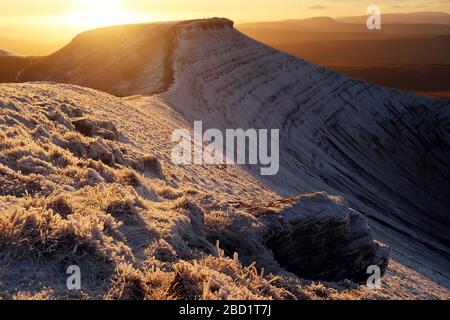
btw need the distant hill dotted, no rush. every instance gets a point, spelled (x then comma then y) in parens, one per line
(4, 53)
(29, 47)
(329, 25)
(345, 44)
(11, 65)
(429, 79)
(432, 49)
(409, 18)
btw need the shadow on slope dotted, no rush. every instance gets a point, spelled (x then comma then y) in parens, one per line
(384, 150)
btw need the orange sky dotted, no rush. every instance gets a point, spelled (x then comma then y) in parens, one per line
(61, 19)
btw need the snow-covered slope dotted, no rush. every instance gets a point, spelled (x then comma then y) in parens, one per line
(86, 178)
(386, 150)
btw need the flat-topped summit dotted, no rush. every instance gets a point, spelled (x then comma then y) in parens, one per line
(122, 60)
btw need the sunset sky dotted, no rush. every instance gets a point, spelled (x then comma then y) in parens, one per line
(64, 18)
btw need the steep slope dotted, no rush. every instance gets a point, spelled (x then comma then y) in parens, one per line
(87, 179)
(110, 59)
(122, 60)
(385, 151)
(79, 189)
(410, 61)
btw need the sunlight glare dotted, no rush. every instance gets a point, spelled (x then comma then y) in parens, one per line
(88, 14)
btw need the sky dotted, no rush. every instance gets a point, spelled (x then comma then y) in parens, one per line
(62, 19)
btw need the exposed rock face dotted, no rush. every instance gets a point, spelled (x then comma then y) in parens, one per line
(317, 236)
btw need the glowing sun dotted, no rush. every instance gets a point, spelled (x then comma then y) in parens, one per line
(87, 14)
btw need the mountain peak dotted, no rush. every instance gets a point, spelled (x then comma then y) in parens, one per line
(122, 60)
(207, 23)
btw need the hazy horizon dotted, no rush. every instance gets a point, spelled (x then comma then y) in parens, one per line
(55, 21)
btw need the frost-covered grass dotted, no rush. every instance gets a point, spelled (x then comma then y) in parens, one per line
(138, 226)
(72, 198)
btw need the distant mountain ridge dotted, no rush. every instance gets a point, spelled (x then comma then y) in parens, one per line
(412, 41)
(410, 18)
(357, 25)
(28, 47)
(4, 53)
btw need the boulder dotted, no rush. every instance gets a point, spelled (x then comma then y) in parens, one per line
(97, 150)
(90, 127)
(319, 237)
(85, 126)
(106, 134)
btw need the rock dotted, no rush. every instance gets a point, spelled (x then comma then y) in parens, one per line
(134, 161)
(318, 236)
(59, 117)
(108, 125)
(153, 165)
(85, 126)
(118, 155)
(106, 134)
(97, 150)
(90, 128)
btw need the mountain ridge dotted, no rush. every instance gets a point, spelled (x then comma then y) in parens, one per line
(87, 179)
(383, 150)
(4, 53)
(213, 30)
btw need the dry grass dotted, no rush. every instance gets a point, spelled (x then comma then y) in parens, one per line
(67, 198)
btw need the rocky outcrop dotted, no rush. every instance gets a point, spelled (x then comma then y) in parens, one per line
(90, 127)
(318, 236)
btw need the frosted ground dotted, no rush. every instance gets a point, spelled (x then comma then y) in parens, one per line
(87, 178)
